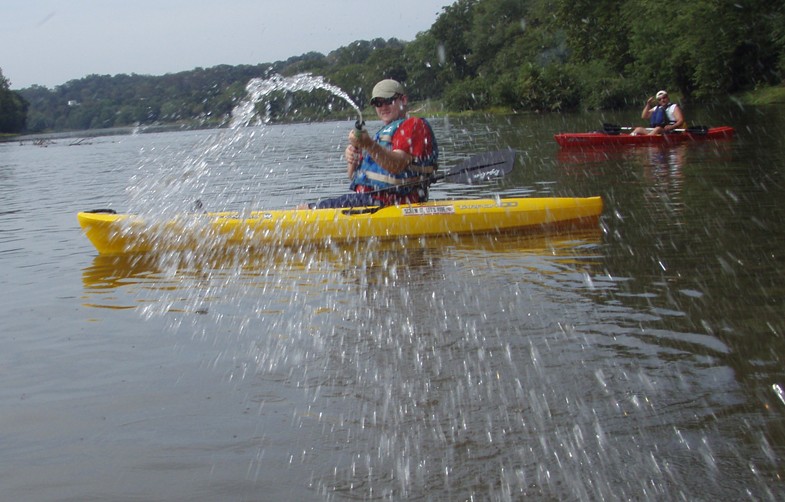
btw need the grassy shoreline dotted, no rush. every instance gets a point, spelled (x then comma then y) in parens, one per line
(774, 95)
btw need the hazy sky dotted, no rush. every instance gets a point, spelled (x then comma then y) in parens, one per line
(49, 42)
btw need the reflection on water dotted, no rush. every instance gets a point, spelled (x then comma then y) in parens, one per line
(366, 262)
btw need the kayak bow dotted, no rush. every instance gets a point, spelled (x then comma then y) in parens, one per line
(123, 233)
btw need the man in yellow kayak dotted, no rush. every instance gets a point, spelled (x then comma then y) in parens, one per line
(664, 116)
(395, 166)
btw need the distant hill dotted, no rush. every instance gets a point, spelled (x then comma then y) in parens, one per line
(519, 55)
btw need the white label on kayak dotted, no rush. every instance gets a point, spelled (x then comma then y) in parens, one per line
(421, 210)
(489, 206)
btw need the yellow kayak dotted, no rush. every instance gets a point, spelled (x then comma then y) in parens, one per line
(123, 233)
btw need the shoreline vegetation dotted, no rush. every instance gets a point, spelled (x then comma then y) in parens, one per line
(478, 57)
(773, 95)
(767, 96)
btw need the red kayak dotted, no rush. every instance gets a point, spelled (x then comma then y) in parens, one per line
(615, 137)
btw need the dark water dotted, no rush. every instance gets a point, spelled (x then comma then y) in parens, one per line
(641, 360)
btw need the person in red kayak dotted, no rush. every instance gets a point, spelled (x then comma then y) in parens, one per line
(394, 167)
(663, 115)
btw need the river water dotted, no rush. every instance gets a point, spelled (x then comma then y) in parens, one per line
(639, 360)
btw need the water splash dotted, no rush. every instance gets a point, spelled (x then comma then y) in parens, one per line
(258, 88)
(215, 169)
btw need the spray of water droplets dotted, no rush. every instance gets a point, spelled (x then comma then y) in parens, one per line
(170, 181)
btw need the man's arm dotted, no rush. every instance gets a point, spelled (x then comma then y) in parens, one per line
(647, 108)
(394, 161)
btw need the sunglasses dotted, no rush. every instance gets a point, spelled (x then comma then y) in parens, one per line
(377, 102)
(662, 97)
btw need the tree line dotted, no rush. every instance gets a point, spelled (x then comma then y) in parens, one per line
(13, 108)
(519, 55)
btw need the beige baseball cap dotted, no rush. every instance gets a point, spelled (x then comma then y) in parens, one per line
(387, 89)
(661, 94)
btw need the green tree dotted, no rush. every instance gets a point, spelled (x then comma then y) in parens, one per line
(356, 80)
(700, 48)
(550, 88)
(13, 108)
(311, 62)
(388, 60)
(424, 59)
(452, 32)
(468, 94)
(518, 54)
(598, 30)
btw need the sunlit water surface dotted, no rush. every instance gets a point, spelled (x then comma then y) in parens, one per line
(639, 360)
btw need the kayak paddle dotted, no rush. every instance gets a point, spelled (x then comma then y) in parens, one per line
(475, 169)
(480, 167)
(616, 129)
